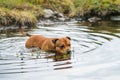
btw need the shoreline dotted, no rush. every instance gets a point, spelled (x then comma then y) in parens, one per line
(12, 30)
(29, 13)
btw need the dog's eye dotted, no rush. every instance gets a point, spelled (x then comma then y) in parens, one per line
(62, 46)
(69, 45)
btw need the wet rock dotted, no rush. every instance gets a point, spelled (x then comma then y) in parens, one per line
(61, 19)
(48, 13)
(57, 14)
(60, 16)
(46, 23)
(115, 18)
(79, 20)
(94, 19)
(54, 15)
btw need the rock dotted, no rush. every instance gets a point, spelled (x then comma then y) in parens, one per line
(61, 19)
(115, 18)
(54, 15)
(57, 14)
(60, 15)
(46, 23)
(94, 19)
(48, 13)
(79, 20)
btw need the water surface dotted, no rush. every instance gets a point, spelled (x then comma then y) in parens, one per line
(95, 54)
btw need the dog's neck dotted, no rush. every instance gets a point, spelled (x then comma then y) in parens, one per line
(53, 49)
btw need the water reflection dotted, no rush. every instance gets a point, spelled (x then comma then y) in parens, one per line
(103, 26)
(92, 45)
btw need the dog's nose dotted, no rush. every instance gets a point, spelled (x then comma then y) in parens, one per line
(68, 51)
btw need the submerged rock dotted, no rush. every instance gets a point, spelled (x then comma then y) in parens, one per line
(94, 19)
(61, 19)
(46, 23)
(115, 18)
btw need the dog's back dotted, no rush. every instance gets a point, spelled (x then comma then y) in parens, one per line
(35, 41)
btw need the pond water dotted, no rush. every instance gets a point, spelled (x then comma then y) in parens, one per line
(95, 54)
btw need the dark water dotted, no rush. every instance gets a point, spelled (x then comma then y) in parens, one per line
(96, 54)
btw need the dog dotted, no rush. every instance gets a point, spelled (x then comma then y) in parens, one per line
(59, 46)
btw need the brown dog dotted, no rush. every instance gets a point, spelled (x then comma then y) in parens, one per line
(57, 45)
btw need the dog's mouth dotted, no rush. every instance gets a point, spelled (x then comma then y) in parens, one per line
(64, 53)
(58, 56)
(68, 52)
(62, 57)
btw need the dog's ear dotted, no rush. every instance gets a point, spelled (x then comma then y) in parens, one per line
(68, 37)
(54, 40)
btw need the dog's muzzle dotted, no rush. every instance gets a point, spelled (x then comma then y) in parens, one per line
(68, 52)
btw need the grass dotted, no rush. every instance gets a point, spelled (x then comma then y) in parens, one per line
(15, 17)
(15, 12)
(99, 6)
(27, 12)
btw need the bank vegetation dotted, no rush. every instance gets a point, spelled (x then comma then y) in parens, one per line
(28, 12)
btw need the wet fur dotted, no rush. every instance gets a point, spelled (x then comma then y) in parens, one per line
(47, 44)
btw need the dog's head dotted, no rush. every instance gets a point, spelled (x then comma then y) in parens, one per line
(62, 45)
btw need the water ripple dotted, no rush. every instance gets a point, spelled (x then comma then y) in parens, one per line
(89, 45)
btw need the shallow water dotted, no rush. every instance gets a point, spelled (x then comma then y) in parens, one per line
(95, 56)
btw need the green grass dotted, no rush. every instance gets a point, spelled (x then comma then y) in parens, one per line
(85, 6)
(30, 10)
(14, 12)
(15, 17)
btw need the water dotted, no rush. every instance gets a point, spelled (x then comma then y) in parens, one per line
(96, 54)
